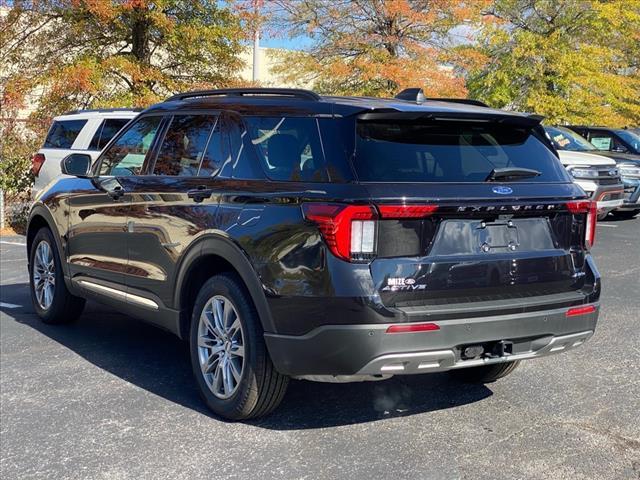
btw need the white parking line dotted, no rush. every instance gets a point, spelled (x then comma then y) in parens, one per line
(607, 225)
(13, 243)
(9, 305)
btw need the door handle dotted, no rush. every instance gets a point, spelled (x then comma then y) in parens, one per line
(116, 192)
(199, 193)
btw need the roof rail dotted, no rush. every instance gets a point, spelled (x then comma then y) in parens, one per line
(103, 110)
(241, 92)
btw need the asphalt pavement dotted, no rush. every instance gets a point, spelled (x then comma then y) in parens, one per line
(110, 397)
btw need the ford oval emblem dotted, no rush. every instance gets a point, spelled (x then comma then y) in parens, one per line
(502, 190)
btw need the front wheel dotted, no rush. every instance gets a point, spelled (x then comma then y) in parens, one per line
(485, 373)
(51, 299)
(229, 358)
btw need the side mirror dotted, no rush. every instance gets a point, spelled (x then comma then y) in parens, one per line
(76, 164)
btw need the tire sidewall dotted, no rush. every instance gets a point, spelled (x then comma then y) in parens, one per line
(243, 400)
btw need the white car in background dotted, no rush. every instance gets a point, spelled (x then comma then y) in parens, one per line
(80, 131)
(598, 175)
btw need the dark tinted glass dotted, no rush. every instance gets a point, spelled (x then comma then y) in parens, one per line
(126, 156)
(63, 133)
(212, 160)
(288, 147)
(449, 152)
(243, 162)
(107, 130)
(184, 145)
(565, 139)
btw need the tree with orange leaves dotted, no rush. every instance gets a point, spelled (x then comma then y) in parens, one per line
(378, 47)
(97, 53)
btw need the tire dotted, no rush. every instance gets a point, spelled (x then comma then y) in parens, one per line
(485, 373)
(59, 305)
(602, 216)
(255, 388)
(625, 214)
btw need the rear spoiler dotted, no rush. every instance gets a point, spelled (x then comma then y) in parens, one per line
(523, 120)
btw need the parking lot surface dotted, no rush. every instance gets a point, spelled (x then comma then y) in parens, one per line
(110, 397)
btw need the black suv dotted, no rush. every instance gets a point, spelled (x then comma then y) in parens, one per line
(285, 234)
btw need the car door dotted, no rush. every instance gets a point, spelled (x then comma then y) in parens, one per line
(172, 203)
(98, 211)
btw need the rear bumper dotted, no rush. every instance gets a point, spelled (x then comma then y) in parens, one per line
(369, 350)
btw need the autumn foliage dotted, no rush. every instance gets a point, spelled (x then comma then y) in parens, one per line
(382, 46)
(102, 53)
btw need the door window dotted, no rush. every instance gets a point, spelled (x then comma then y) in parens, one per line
(126, 156)
(107, 130)
(601, 141)
(213, 157)
(190, 141)
(63, 133)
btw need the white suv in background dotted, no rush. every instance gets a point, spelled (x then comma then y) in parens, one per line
(80, 131)
(598, 175)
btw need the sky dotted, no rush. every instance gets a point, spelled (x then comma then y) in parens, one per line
(298, 43)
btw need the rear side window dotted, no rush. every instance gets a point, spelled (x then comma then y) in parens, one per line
(63, 133)
(394, 151)
(106, 131)
(288, 147)
(185, 147)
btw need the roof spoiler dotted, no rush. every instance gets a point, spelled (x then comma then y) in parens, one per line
(417, 95)
(516, 119)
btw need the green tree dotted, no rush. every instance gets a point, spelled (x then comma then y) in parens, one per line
(93, 53)
(574, 61)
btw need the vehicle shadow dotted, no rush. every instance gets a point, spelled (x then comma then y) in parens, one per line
(158, 362)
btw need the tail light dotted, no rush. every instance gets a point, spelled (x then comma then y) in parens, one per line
(36, 163)
(591, 209)
(350, 231)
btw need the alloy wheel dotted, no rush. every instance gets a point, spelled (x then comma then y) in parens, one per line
(44, 275)
(221, 346)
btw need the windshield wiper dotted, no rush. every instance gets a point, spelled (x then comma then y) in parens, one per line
(511, 174)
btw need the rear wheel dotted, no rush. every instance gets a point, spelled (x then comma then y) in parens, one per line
(51, 299)
(485, 373)
(229, 358)
(625, 214)
(602, 216)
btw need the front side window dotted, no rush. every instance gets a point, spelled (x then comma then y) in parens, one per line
(448, 151)
(126, 156)
(106, 131)
(184, 146)
(63, 133)
(288, 147)
(602, 141)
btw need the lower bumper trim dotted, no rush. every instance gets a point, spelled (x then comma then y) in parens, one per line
(420, 362)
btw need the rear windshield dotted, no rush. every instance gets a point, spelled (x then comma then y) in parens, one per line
(63, 133)
(455, 151)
